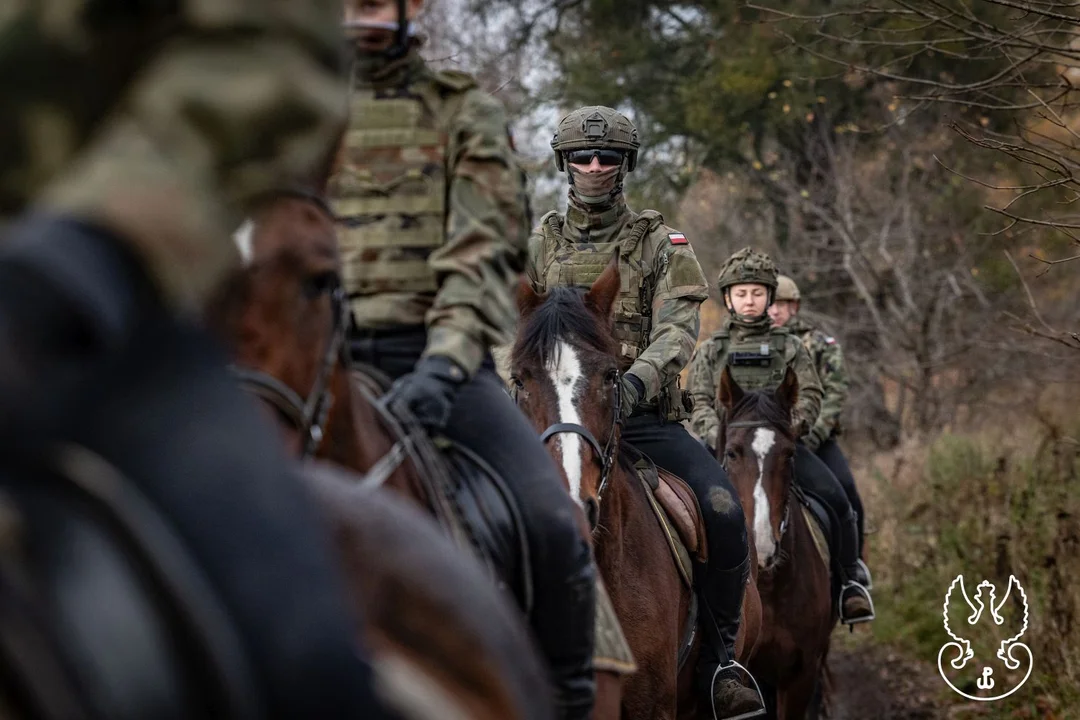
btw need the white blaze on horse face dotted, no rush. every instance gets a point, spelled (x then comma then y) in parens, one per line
(764, 439)
(243, 239)
(565, 373)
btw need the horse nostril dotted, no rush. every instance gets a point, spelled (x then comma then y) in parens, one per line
(592, 512)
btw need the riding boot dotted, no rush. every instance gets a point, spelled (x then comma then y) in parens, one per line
(856, 605)
(720, 595)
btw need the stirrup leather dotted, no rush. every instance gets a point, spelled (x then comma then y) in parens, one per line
(869, 578)
(852, 622)
(735, 664)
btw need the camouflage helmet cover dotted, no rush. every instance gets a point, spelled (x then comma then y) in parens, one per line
(596, 128)
(748, 266)
(786, 289)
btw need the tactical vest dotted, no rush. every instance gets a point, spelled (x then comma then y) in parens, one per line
(757, 362)
(580, 264)
(390, 191)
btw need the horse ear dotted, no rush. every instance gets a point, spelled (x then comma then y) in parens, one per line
(788, 392)
(601, 296)
(527, 298)
(730, 392)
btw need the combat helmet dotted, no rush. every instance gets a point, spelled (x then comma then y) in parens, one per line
(786, 289)
(596, 128)
(748, 266)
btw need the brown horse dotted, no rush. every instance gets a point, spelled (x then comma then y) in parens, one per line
(757, 446)
(566, 380)
(447, 643)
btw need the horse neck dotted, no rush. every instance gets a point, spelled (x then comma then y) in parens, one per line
(625, 518)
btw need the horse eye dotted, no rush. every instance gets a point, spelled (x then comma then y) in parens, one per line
(611, 376)
(517, 382)
(321, 283)
(730, 454)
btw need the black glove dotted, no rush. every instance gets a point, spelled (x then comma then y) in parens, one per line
(428, 392)
(633, 391)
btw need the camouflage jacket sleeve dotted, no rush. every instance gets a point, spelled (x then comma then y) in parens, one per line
(169, 150)
(479, 266)
(536, 259)
(702, 382)
(679, 291)
(808, 406)
(834, 382)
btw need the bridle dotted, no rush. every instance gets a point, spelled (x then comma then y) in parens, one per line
(306, 414)
(605, 455)
(784, 523)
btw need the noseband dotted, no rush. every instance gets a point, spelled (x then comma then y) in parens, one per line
(606, 454)
(787, 498)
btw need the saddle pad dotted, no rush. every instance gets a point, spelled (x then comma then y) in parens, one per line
(816, 531)
(612, 652)
(675, 543)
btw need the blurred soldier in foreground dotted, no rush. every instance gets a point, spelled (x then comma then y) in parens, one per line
(828, 359)
(152, 529)
(434, 224)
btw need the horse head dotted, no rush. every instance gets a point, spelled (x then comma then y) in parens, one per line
(565, 376)
(281, 314)
(757, 447)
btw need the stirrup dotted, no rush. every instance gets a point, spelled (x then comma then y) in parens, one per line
(852, 622)
(712, 693)
(869, 578)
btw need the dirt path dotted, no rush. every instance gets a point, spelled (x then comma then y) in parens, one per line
(871, 681)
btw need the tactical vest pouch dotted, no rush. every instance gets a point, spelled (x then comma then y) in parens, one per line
(750, 359)
(390, 194)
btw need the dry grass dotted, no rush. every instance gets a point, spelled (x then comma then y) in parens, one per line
(998, 501)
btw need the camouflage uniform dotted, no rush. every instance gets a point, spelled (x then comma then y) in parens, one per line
(784, 350)
(828, 360)
(758, 356)
(434, 219)
(656, 325)
(134, 133)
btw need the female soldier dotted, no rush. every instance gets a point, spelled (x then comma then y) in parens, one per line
(748, 282)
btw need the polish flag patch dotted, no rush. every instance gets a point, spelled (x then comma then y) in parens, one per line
(678, 239)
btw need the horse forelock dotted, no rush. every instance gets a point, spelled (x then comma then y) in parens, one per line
(563, 317)
(761, 406)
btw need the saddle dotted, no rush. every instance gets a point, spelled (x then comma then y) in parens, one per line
(676, 509)
(466, 495)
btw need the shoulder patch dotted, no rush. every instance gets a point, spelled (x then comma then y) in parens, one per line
(830, 340)
(678, 239)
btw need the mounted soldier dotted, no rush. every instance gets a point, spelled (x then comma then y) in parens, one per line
(159, 556)
(757, 355)
(434, 219)
(828, 359)
(656, 323)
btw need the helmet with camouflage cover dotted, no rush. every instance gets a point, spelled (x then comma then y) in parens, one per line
(786, 289)
(596, 128)
(748, 266)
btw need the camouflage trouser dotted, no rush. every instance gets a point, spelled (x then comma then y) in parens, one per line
(159, 120)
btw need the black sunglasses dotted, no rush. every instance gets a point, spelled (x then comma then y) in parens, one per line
(584, 157)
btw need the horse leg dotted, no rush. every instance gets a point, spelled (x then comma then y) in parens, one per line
(794, 700)
(609, 689)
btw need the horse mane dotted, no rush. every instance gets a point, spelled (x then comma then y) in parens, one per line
(563, 314)
(762, 405)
